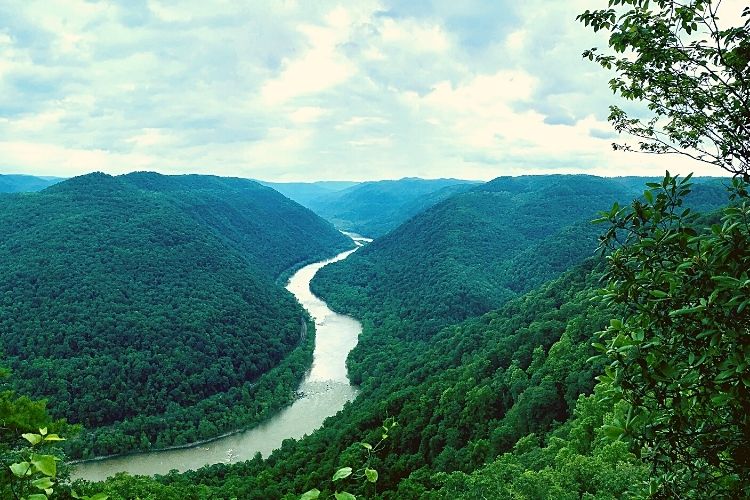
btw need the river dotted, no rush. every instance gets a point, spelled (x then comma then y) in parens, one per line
(324, 391)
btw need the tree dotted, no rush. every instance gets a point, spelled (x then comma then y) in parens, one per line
(680, 358)
(690, 68)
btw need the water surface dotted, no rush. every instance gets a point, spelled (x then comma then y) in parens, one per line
(324, 391)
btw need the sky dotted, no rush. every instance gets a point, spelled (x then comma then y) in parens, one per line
(308, 90)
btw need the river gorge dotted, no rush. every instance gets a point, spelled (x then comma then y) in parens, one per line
(323, 392)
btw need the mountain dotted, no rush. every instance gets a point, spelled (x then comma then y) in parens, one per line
(505, 387)
(271, 231)
(135, 302)
(12, 183)
(457, 259)
(304, 192)
(375, 208)
(475, 250)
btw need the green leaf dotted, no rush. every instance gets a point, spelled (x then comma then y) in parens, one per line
(21, 469)
(344, 496)
(45, 463)
(613, 431)
(310, 495)
(686, 310)
(371, 474)
(342, 473)
(32, 438)
(43, 483)
(99, 496)
(367, 446)
(36, 496)
(53, 437)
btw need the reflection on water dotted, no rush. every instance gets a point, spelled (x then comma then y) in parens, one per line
(323, 393)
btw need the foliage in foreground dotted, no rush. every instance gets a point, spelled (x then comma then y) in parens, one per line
(31, 463)
(681, 356)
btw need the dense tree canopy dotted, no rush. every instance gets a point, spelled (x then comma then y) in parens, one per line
(143, 279)
(474, 251)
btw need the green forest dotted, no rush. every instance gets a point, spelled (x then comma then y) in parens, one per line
(531, 337)
(167, 286)
(500, 405)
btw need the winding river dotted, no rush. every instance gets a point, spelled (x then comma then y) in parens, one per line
(324, 391)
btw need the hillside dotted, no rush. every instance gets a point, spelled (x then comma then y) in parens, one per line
(130, 301)
(375, 208)
(475, 250)
(468, 396)
(271, 231)
(450, 262)
(12, 183)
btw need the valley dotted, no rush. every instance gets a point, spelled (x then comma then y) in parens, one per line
(471, 323)
(385, 250)
(323, 392)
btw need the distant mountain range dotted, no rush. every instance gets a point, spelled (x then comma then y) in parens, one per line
(12, 183)
(372, 208)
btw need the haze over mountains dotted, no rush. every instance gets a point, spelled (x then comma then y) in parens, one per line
(371, 208)
(10, 183)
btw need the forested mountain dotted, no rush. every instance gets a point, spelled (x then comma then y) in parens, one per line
(467, 393)
(12, 183)
(457, 259)
(375, 208)
(304, 192)
(271, 231)
(475, 250)
(460, 400)
(144, 307)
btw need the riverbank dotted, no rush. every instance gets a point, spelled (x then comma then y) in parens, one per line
(325, 390)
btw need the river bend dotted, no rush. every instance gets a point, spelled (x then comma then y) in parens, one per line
(323, 392)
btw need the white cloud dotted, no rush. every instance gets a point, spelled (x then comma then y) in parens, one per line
(305, 90)
(319, 68)
(307, 114)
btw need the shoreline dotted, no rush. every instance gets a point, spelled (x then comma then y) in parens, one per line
(184, 463)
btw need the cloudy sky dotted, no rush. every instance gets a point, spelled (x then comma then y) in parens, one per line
(306, 90)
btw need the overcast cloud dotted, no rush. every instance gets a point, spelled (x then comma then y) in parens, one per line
(303, 90)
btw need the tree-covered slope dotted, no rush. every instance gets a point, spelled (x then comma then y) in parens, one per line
(375, 208)
(273, 232)
(460, 400)
(13, 183)
(129, 301)
(474, 251)
(458, 258)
